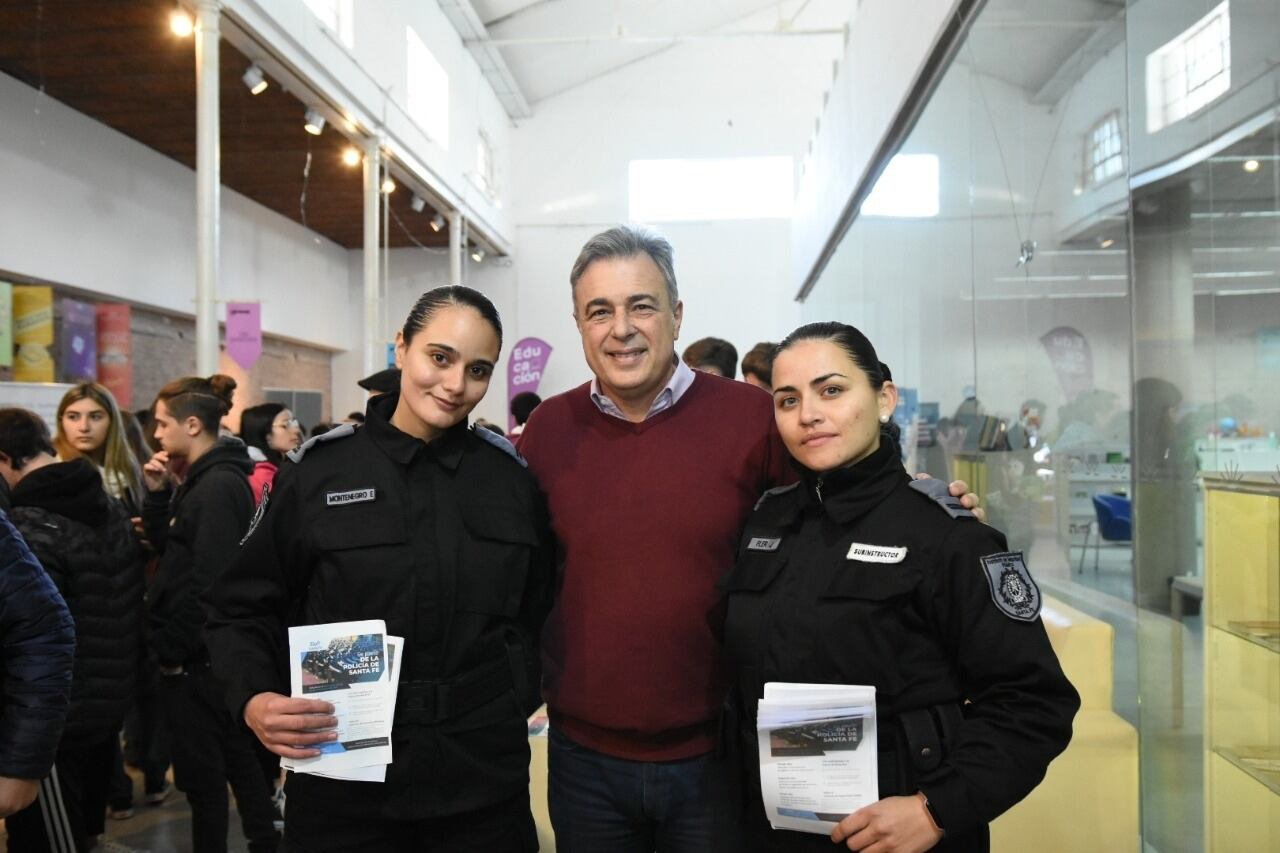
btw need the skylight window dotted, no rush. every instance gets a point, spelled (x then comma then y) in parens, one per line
(711, 189)
(908, 187)
(1190, 71)
(428, 90)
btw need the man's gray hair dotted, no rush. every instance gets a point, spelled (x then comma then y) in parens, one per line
(627, 241)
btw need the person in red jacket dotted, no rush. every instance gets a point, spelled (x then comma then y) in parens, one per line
(269, 431)
(648, 493)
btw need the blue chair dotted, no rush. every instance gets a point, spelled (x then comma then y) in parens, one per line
(1114, 524)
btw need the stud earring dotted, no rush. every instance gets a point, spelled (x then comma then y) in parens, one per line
(884, 419)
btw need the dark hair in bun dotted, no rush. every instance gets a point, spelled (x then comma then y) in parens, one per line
(207, 400)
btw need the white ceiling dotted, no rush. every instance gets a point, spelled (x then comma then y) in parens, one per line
(552, 46)
(1027, 42)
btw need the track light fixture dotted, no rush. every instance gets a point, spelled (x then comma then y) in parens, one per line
(314, 122)
(477, 254)
(418, 203)
(255, 80)
(437, 223)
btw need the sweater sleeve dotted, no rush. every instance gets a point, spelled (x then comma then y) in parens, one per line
(38, 647)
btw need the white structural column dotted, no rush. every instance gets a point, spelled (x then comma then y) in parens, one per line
(373, 346)
(456, 225)
(208, 185)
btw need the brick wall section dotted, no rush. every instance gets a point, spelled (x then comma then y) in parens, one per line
(164, 349)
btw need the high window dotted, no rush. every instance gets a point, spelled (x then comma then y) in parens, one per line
(730, 188)
(428, 90)
(1190, 71)
(908, 187)
(337, 16)
(485, 177)
(1103, 150)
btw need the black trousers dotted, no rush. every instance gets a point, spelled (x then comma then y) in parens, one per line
(210, 751)
(67, 814)
(504, 827)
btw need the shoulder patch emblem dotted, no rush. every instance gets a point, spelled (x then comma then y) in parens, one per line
(257, 514)
(940, 492)
(340, 431)
(774, 492)
(1012, 588)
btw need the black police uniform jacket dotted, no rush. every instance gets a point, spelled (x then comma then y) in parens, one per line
(859, 578)
(446, 541)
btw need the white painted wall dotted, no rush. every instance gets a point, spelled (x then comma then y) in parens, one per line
(721, 98)
(370, 82)
(83, 205)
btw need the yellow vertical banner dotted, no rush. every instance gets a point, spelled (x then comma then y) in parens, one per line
(6, 324)
(33, 333)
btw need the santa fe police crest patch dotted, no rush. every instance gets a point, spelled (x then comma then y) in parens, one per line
(1012, 588)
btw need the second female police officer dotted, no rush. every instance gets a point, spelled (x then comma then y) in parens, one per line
(415, 519)
(854, 576)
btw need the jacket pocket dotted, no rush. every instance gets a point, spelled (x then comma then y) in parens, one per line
(752, 573)
(496, 556)
(872, 581)
(354, 529)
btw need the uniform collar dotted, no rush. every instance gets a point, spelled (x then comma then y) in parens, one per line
(402, 447)
(847, 494)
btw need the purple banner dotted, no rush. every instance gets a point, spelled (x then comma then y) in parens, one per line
(1069, 353)
(244, 333)
(79, 341)
(528, 359)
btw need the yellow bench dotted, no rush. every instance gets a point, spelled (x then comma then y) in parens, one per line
(1088, 801)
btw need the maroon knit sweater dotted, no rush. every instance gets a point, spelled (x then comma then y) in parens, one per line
(647, 518)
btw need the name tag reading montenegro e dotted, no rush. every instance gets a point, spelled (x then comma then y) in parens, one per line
(876, 553)
(355, 496)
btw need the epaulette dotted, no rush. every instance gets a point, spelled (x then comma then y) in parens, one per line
(776, 490)
(340, 431)
(499, 442)
(941, 494)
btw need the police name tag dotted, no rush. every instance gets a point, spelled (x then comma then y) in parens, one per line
(353, 497)
(876, 553)
(760, 543)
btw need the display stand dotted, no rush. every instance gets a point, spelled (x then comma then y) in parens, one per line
(1242, 661)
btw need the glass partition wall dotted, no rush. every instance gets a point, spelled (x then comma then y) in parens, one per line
(1072, 264)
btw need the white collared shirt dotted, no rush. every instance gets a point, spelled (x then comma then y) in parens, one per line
(667, 397)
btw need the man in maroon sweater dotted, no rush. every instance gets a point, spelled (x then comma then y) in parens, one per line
(650, 470)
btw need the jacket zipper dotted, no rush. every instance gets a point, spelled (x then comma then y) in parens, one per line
(817, 489)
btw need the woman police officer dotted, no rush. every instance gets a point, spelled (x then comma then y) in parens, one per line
(439, 530)
(854, 576)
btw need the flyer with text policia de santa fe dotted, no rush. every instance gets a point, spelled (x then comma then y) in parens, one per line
(346, 664)
(817, 753)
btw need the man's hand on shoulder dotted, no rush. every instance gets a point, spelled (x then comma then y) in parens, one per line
(960, 489)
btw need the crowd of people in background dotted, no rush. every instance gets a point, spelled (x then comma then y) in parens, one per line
(176, 554)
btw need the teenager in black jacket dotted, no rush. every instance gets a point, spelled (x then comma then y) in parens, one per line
(85, 541)
(197, 529)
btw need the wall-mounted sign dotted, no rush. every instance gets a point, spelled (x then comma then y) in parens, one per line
(528, 360)
(115, 351)
(6, 324)
(1069, 353)
(244, 333)
(33, 333)
(79, 341)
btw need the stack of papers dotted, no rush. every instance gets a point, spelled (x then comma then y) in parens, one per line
(818, 759)
(355, 666)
